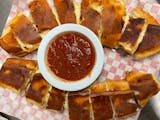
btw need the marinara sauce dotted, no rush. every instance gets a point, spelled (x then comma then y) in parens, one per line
(71, 56)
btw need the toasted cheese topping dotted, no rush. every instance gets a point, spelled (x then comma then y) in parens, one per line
(13, 77)
(77, 11)
(94, 4)
(85, 4)
(137, 81)
(112, 22)
(102, 108)
(140, 13)
(65, 10)
(38, 89)
(98, 87)
(79, 107)
(117, 85)
(16, 73)
(87, 20)
(133, 34)
(56, 99)
(122, 101)
(24, 30)
(9, 43)
(42, 15)
(15, 62)
(150, 44)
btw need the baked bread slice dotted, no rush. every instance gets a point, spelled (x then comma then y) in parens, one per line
(144, 86)
(101, 106)
(98, 87)
(42, 15)
(37, 90)
(140, 13)
(16, 73)
(56, 99)
(91, 19)
(150, 44)
(23, 63)
(25, 33)
(117, 85)
(124, 103)
(112, 22)
(90, 16)
(79, 105)
(65, 11)
(133, 35)
(9, 43)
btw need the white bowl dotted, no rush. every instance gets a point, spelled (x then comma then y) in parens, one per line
(79, 84)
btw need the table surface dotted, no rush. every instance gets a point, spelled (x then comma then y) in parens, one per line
(148, 112)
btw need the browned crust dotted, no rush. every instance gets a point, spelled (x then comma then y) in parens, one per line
(38, 89)
(150, 44)
(129, 40)
(65, 10)
(117, 85)
(9, 43)
(91, 19)
(112, 22)
(42, 15)
(85, 4)
(15, 74)
(23, 63)
(102, 108)
(140, 13)
(137, 82)
(79, 107)
(124, 104)
(98, 87)
(24, 30)
(56, 100)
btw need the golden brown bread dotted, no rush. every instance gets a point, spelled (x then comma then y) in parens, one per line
(16, 73)
(24, 35)
(79, 106)
(104, 100)
(42, 15)
(142, 38)
(117, 85)
(19, 62)
(37, 90)
(9, 43)
(116, 92)
(89, 11)
(24, 29)
(65, 10)
(150, 44)
(20, 37)
(144, 86)
(56, 100)
(109, 86)
(140, 13)
(124, 104)
(102, 107)
(133, 35)
(87, 20)
(112, 22)
(85, 4)
(98, 87)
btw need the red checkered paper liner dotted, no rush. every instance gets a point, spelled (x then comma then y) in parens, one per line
(115, 67)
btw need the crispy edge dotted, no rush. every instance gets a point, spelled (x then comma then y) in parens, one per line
(139, 12)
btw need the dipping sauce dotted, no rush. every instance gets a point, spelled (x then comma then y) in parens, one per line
(71, 56)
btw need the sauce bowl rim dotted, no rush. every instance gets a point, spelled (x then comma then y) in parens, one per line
(70, 85)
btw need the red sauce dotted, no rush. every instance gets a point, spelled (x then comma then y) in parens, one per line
(71, 56)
